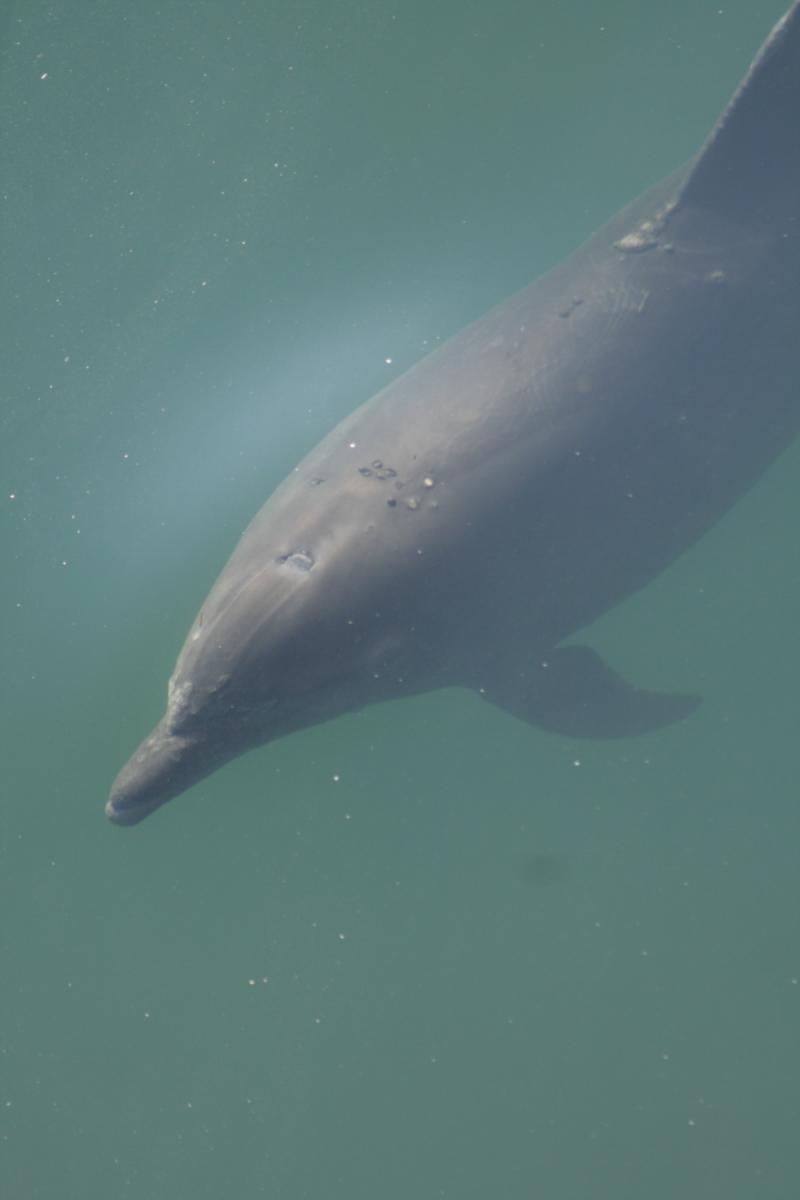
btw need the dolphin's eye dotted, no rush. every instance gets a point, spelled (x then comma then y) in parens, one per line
(301, 560)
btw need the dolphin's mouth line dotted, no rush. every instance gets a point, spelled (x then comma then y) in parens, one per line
(130, 812)
(164, 765)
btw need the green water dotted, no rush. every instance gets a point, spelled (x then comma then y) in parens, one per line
(483, 962)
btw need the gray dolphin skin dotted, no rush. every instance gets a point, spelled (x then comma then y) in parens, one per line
(534, 471)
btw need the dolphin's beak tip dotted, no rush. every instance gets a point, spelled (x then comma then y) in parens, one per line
(118, 815)
(164, 765)
(143, 784)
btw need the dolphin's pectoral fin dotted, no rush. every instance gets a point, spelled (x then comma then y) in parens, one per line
(576, 694)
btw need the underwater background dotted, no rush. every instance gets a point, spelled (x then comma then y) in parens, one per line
(425, 951)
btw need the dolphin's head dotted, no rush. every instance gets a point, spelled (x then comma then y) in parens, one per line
(311, 618)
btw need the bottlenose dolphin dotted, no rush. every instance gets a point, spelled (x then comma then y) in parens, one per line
(538, 468)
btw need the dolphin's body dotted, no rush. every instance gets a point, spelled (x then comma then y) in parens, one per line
(541, 466)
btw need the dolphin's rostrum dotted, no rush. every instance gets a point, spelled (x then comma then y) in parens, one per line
(539, 467)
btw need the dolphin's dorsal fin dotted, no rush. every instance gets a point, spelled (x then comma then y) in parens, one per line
(749, 167)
